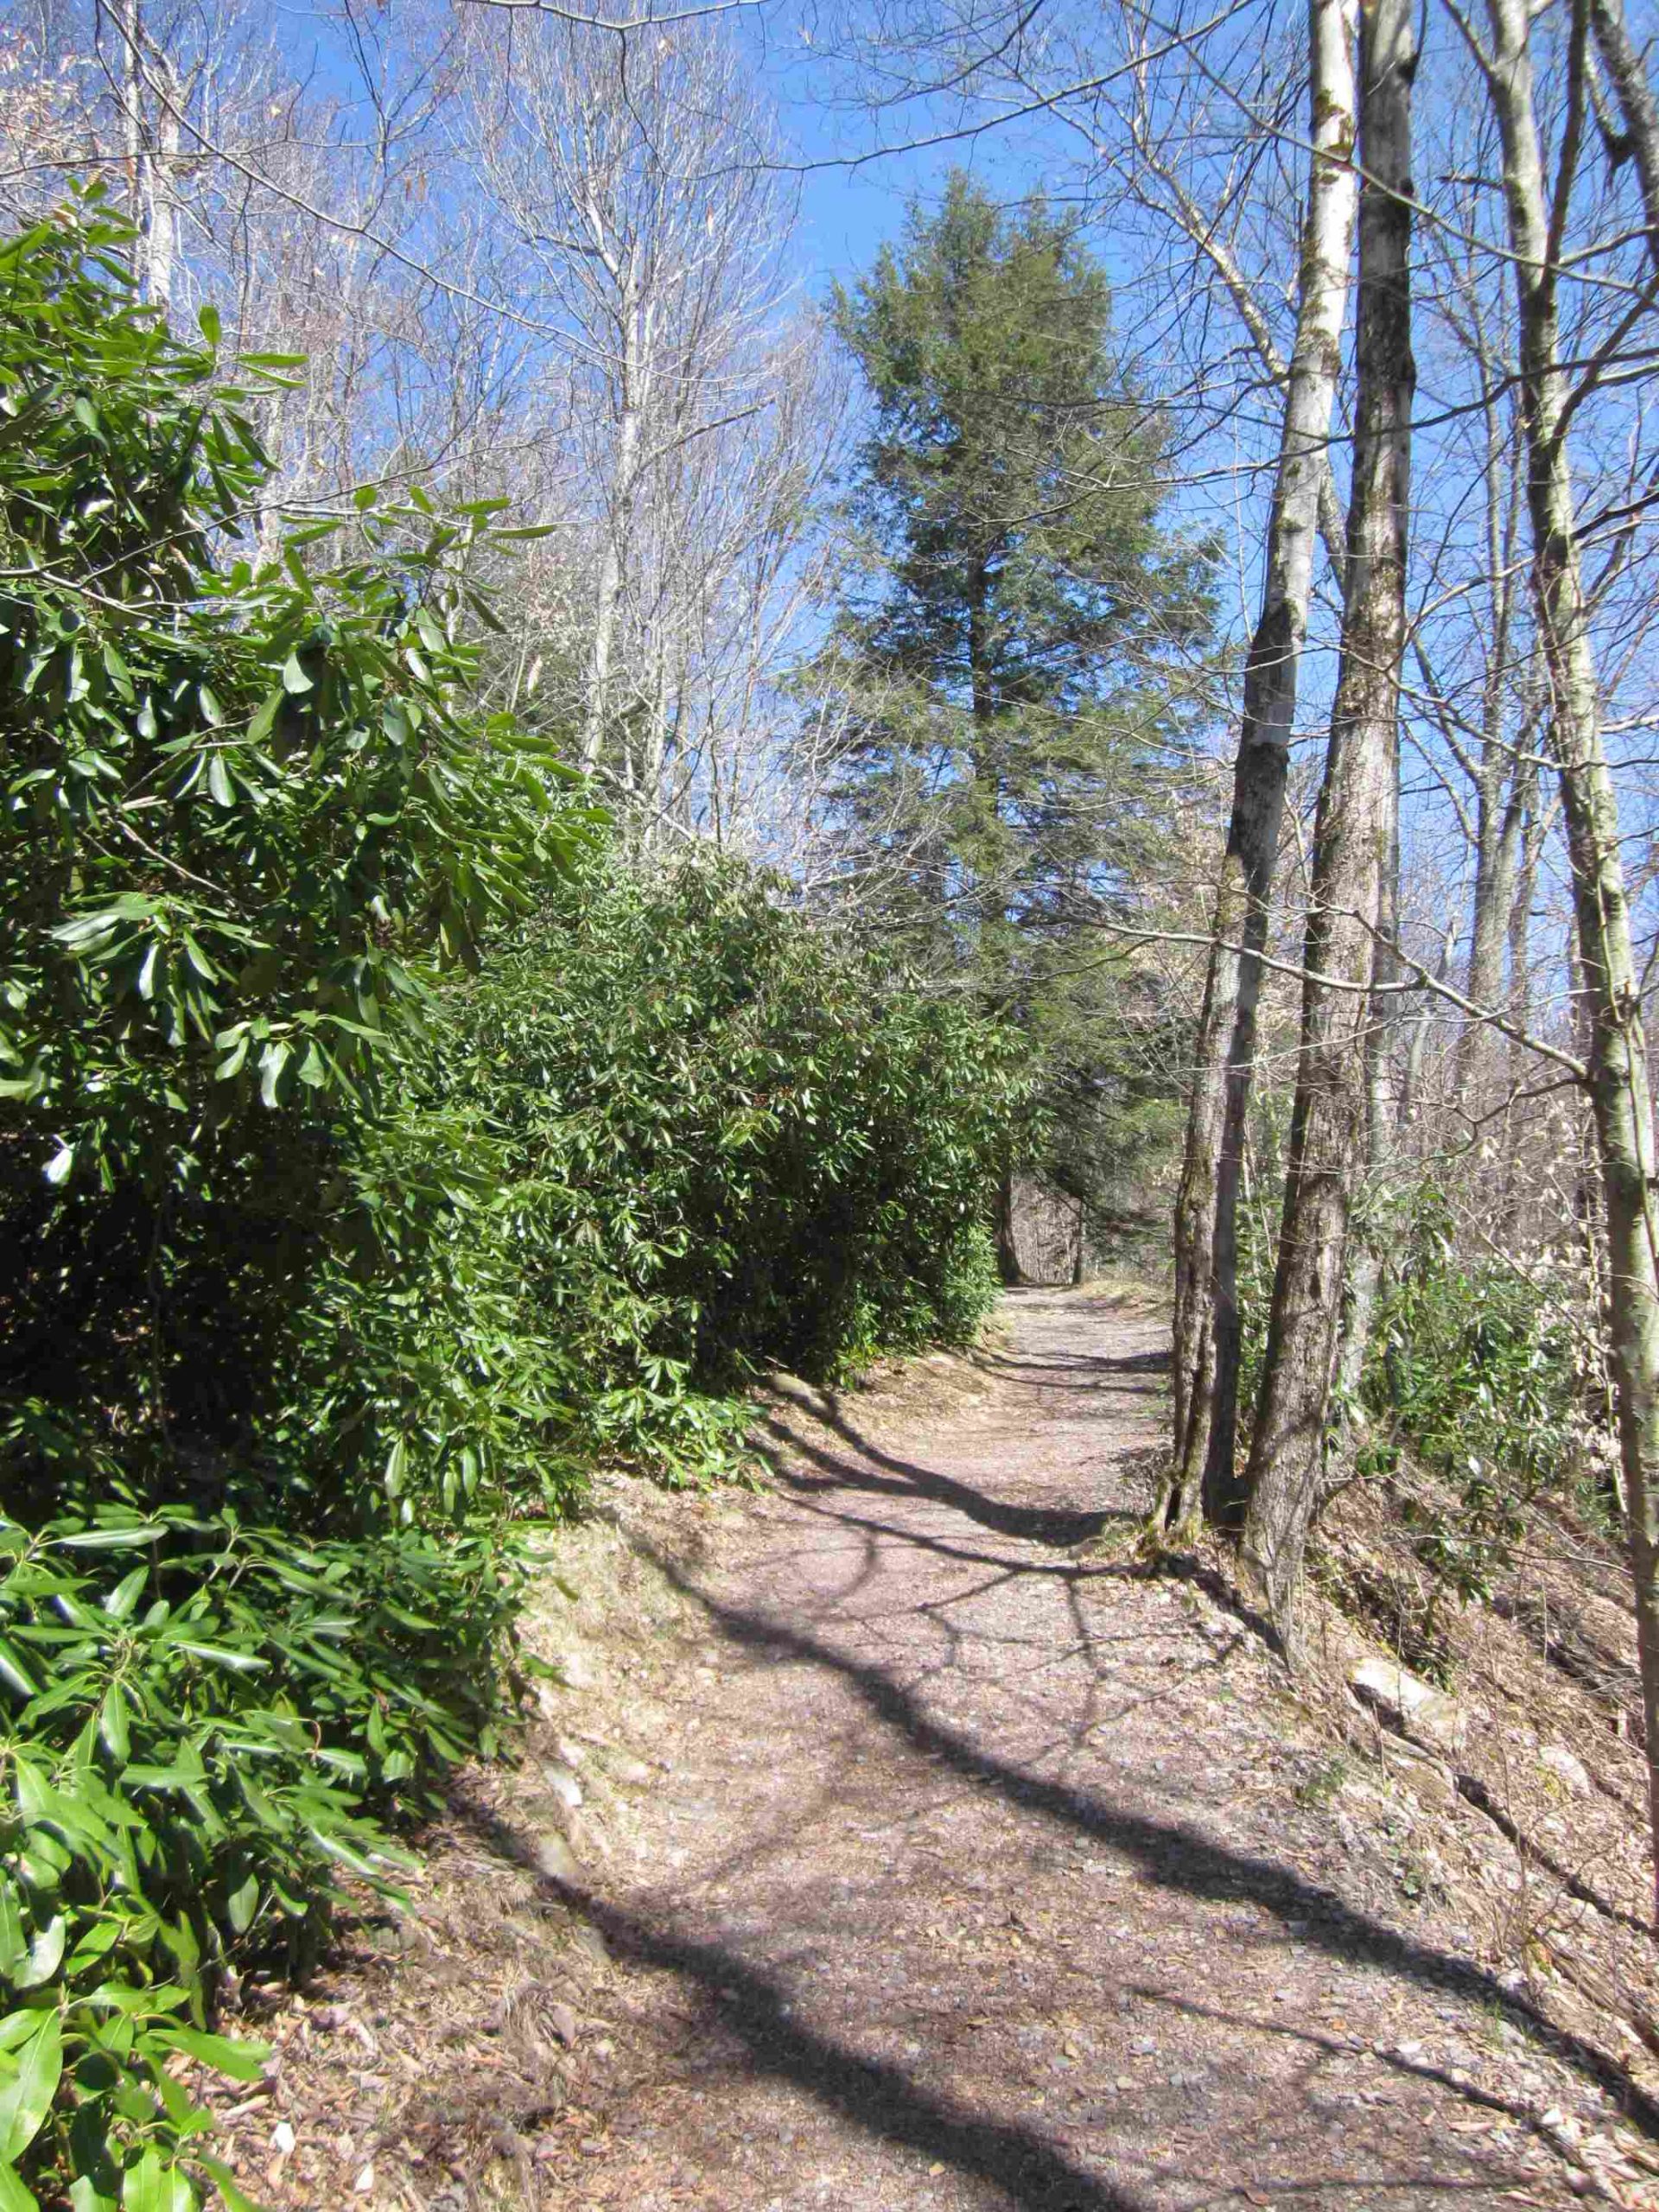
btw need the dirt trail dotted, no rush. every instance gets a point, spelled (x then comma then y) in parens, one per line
(989, 1870)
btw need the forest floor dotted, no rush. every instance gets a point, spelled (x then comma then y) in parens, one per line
(903, 1840)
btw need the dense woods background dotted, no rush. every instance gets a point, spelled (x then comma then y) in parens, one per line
(584, 807)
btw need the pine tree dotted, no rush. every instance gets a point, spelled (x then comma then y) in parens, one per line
(1020, 645)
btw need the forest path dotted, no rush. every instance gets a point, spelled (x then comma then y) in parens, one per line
(986, 1870)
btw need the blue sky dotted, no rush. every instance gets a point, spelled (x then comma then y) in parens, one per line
(851, 206)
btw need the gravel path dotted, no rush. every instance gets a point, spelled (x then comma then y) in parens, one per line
(992, 1870)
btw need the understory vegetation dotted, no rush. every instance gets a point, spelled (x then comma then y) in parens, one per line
(1480, 1373)
(380, 1150)
(589, 811)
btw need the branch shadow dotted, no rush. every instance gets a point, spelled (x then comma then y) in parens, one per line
(877, 2096)
(1328, 2045)
(1172, 1855)
(1059, 1527)
(1068, 1370)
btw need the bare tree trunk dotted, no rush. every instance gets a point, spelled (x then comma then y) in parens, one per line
(1497, 823)
(1497, 854)
(1530, 831)
(131, 20)
(1636, 104)
(1206, 1230)
(1365, 1270)
(1351, 834)
(153, 125)
(632, 374)
(1411, 1081)
(1007, 1246)
(1620, 1101)
(163, 240)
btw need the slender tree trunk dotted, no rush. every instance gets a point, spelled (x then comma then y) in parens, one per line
(1523, 800)
(1007, 1248)
(1497, 856)
(1495, 820)
(150, 204)
(132, 109)
(1411, 1082)
(162, 242)
(1206, 1230)
(1621, 1104)
(1638, 107)
(1365, 1272)
(1351, 837)
(632, 376)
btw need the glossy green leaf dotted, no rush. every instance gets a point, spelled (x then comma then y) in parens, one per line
(14, 1671)
(152, 2183)
(241, 2062)
(233, 2196)
(26, 2095)
(45, 1953)
(14, 2195)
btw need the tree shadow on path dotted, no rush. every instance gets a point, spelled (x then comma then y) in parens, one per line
(1172, 1855)
(1061, 1528)
(880, 2098)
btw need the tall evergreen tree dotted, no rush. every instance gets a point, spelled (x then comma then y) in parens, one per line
(1019, 640)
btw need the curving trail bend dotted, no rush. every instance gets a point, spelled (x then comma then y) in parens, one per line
(988, 1872)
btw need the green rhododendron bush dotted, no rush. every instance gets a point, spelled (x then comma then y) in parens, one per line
(721, 1141)
(377, 1153)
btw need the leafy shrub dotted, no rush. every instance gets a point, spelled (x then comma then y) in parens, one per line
(323, 1266)
(208, 1720)
(723, 1140)
(1473, 1367)
(667, 1137)
(243, 804)
(247, 819)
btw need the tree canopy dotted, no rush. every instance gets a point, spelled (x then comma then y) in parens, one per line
(1021, 603)
(1017, 642)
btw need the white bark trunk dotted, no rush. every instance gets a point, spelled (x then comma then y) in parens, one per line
(634, 379)
(1351, 837)
(1206, 1339)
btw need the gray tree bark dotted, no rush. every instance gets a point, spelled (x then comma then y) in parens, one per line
(1621, 1104)
(1206, 1210)
(1366, 1273)
(1496, 820)
(1637, 107)
(1351, 836)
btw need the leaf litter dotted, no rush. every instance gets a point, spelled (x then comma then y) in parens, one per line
(931, 1847)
